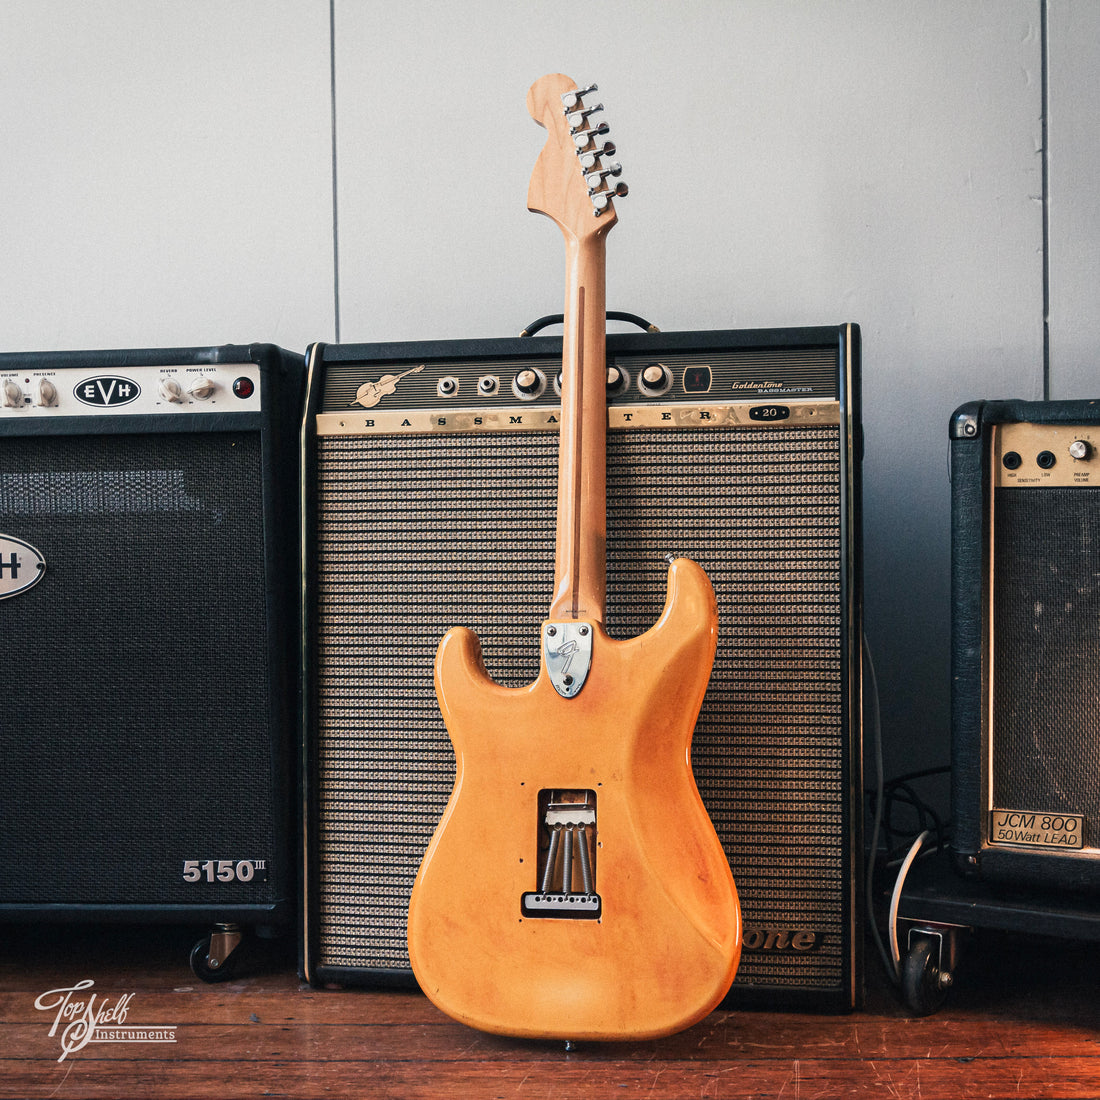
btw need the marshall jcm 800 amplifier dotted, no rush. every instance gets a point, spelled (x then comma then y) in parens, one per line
(429, 501)
(1025, 653)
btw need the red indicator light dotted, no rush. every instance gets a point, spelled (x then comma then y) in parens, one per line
(244, 387)
(696, 379)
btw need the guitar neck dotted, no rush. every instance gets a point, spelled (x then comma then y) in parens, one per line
(569, 185)
(580, 564)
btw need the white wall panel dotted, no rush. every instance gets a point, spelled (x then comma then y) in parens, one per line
(166, 180)
(1073, 138)
(166, 173)
(877, 161)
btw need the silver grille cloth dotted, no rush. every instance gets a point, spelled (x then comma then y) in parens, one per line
(418, 534)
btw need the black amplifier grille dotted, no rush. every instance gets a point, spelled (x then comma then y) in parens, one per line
(140, 671)
(1046, 678)
(420, 533)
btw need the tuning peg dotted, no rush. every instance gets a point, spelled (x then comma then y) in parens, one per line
(600, 199)
(588, 157)
(595, 178)
(576, 119)
(569, 100)
(582, 137)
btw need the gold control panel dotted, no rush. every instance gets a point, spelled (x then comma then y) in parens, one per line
(1033, 456)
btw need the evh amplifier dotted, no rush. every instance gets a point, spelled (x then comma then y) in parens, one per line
(429, 501)
(1025, 644)
(148, 606)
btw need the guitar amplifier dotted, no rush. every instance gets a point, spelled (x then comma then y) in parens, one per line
(1025, 651)
(148, 580)
(429, 501)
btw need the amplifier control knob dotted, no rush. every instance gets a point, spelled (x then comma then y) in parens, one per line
(171, 390)
(617, 379)
(528, 384)
(655, 379)
(1080, 449)
(13, 394)
(45, 393)
(202, 388)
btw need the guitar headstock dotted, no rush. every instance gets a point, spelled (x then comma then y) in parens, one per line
(573, 180)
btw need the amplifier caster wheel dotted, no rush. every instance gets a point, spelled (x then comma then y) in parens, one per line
(928, 969)
(213, 958)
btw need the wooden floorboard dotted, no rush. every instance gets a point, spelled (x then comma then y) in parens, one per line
(1022, 1021)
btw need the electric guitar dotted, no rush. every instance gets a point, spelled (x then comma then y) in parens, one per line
(575, 887)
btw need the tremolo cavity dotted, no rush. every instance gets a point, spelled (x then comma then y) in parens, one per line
(567, 858)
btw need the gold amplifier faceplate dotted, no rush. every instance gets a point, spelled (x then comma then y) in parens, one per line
(1039, 456)
(547, 418)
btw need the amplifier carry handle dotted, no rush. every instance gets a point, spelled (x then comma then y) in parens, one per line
(612, 315)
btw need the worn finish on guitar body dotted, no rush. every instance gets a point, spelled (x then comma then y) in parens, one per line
(575, 887)
(665, 949)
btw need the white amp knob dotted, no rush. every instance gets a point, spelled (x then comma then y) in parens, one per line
(202, 388)
(171, 390)
(13, 394)
(45, 393)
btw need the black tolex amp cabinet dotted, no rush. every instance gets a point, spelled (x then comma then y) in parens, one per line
(429, 501)
(1025, 645)
(148, 579)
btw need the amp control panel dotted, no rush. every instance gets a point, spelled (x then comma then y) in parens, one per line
(127, 390)
(1040, 456)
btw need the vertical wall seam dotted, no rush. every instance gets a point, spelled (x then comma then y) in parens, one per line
(1044, 62)
(335, 211)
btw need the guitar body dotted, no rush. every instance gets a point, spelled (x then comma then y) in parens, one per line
(664, 948)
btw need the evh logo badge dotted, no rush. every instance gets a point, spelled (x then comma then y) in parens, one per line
(106, 391)
(21, 566)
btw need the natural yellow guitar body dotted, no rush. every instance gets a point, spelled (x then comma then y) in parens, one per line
(665, 949)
